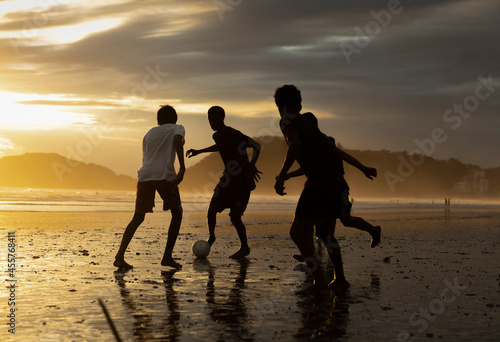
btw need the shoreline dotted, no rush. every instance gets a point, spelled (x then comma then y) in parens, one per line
(289, 205)
(72, 220)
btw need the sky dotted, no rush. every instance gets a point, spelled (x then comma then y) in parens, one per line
(85, 78)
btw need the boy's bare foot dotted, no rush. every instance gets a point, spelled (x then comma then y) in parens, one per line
(120, 263)
(169, 261)
(376, 236)
(339, 285)
(243, 252)
(211, 240)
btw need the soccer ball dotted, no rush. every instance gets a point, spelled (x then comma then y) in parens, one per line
(201, 249)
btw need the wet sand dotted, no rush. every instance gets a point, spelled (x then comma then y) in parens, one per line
(436, 276)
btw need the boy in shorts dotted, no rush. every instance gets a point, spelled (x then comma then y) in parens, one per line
(319, 202)
(160, 147)
(238, 179)
(345, 206)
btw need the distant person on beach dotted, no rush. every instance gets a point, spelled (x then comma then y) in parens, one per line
(238, 179)
(345, 206)
(319, 202)
(160, 147)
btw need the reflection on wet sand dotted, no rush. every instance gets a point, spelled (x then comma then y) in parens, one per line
(142, 322)
(323, 318)
(145, 327)
(231, 312)
(235, 316)
(329, 319)
(170, 327)
(375, 283)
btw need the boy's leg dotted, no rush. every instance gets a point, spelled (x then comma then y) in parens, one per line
(359, 223)
(211, 221)
(302, 235)
(173, 232)
(242, 234)
(326, 233)
(127, 237)
(217, 204)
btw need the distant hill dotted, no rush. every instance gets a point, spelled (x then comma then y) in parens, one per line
(399, 174)
(50, 170)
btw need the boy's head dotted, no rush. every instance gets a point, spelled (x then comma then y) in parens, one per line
(216, 117)
(288, 99)
(166, 114)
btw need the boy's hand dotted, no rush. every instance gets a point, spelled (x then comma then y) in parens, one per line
(370, 172)
(279, 186)
(192, 152)
(255, 173)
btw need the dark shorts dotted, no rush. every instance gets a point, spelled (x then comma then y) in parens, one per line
(145, 200)
(230, 194)
(345, 205)
(319, 203)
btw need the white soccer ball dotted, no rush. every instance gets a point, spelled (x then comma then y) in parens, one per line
(201, 249)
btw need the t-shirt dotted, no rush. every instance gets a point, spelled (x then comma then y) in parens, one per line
(340, 166)
(337, 159)
(315, 156)
(232, 145)
(158, 153)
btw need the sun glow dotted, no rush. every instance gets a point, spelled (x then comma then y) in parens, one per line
(62, 34)
(74, 33)
(16, 116)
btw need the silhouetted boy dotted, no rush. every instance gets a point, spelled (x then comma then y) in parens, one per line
(318, 204)
(238, 179)
(160, 146)
(345, 206)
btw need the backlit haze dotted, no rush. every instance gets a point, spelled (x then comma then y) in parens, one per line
(84, 78)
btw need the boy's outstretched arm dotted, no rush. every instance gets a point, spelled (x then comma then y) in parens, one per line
(179, 150)
(294, 145)
(296, 173)
(369, 172)
(192, 152)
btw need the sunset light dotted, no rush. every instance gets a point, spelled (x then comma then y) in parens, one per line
(15, 116)
(338, 159)
(367, 75)
(73, 33)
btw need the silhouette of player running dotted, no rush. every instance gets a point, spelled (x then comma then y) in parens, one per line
(160, 147)
(238, 179)
(319, 202)
(345, 206)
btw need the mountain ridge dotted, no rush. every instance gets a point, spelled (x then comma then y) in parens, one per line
(51, 170)
(399, 174)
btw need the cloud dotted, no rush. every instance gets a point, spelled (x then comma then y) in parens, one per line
(395, 89)
(7, 147)
(6, 144)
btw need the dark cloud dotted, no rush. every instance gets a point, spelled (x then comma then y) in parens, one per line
(394, 90)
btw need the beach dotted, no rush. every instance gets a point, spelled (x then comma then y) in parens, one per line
(435, 276)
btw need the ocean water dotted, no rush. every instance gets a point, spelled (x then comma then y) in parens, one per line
(64, 200)
(57, 200)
